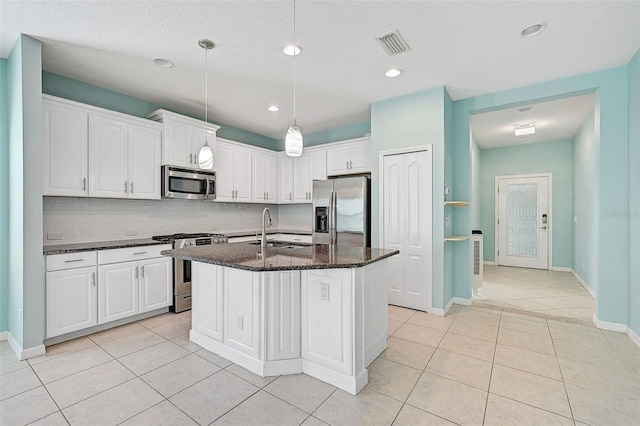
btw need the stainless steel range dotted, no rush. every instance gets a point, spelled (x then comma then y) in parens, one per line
(182, 268)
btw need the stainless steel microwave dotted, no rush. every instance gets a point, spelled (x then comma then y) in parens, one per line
(188, 184)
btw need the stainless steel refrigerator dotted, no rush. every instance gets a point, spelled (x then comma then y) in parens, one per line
(342, 211)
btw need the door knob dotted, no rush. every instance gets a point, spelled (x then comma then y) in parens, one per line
(542, 227)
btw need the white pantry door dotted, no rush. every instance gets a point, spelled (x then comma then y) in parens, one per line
(407, 226)
(524, 222)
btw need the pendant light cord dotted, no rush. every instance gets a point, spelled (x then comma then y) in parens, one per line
(206, 95)
(294, 62)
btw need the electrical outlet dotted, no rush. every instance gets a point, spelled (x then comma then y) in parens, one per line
(575, 219)
(239, 322)
(324, 292)
(447, 221)
(583, 266)
(131, 232)
(54, 235)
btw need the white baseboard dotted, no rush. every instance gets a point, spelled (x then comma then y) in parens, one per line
(23, 354)
(489, 262)
(3, 335)
(634, 337)
(461, 301)
(442, 312)
(583, 283)
(617, 327)
(561, 269)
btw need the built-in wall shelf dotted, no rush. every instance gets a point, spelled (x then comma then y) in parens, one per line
(457, 203)
(454, 238)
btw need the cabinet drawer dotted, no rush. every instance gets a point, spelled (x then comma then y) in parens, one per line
(57, 262)
(294, 238)
(131, 253)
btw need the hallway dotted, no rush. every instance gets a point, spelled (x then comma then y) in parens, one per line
(552, 293)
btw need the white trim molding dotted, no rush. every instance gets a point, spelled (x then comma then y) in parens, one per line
(461, 301)
(23, 354)
(561, 269)
(3, 335)
(633, 336)
(489, 262)
(583, 283)
(442, 312)
(617, 327)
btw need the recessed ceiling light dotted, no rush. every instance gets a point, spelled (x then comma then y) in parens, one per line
(525, 109)
(533, 30)
(393, 72)
(292, 50)
(525, 131)
(273, 108)
(162, 62)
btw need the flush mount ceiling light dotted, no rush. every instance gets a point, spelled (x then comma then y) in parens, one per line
(292, 50)
(273, 108)
(525, 131)
(162, 62)
(205, 156)
(533, 30)
(393, 72)
(293, 141)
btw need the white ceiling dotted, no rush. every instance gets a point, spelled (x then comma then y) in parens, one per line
(554, 121)
(471, 47)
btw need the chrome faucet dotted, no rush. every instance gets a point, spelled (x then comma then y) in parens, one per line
(263, 240)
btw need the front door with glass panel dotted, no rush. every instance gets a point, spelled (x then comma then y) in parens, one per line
(524, 221)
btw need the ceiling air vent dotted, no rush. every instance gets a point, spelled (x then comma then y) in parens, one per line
(393, 43)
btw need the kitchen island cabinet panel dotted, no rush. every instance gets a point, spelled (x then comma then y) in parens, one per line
(209, 320)
(242, 311)
(283, 315)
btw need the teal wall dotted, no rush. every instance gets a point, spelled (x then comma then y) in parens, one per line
(57, 85)
(612, 238)
(406, 121)
(450, 248)
(549, 157)
(4, 197)
(351, 131)
(634, 193)
(475, 185)
(585, 203)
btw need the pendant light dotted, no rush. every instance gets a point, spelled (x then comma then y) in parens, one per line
(293, 140)
(205, 156)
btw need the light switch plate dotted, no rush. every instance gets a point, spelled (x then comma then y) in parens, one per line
(54, 235)
(324, 292)
(131, 232)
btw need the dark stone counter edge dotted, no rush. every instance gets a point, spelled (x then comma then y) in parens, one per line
(104, 245)
(173, 253)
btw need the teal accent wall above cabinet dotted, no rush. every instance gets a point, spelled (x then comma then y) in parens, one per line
(4, 197)
(634, 193)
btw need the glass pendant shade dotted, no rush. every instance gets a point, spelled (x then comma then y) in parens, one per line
(205, 157)
(293, 141)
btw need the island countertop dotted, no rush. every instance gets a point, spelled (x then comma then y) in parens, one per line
(286, 257)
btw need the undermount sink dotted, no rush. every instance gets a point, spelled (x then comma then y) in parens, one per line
(281, 244)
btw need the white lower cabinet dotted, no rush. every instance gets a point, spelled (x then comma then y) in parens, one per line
(117, 291)
(155, 283)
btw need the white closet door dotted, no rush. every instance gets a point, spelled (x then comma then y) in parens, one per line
(407, 204)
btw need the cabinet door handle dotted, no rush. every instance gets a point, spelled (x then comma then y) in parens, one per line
(93, 279)
(136, 272)
(131, 190)
(347, 164)
(142, 272)
(84, 184)
(290, 196)
(139, 253)
(190, 158)
(73, 260)
(351, 164)
(125, 186)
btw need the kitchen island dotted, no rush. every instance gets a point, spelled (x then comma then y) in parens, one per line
(288, 308)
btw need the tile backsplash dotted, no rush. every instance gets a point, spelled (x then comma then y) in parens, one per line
(79, 220)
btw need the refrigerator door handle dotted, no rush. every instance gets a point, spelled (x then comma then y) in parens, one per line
(332, 218)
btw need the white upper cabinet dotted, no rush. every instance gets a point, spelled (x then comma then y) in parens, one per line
(183, 137)
(233, 167)
(310, 166)
(285, 179)
(264, 177)
(64, 163)
(349, 157)
(124, 157)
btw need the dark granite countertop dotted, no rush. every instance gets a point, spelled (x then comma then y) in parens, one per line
(102, 245)
(269, 231)
(286, 257)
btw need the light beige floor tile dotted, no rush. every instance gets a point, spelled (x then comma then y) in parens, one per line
(17, 382)
(527, 341)
(197, 402)
(263, 409)
(464, 327)
(525, 326)
(55, 419)
(62, 349)
(587, 352)
(400, 314)
(483, 316)
(250, 377)
(621, 343)
(366, 408)
(214, 358)
(72, 363)
(575, 332)
(470, 371)
(448, 399)
(613, 380)
(183, 340)
(393, 326)
(421, 335)
(169, 330)
(312, 421)
(129, 344)
(552, 313)
(302, 391)
(26, 407)
(468, 346)
(530, 361)
(114, 405)
(153, 357)
(523, 317)
(585, 313)
(85, 384)
(531, 389)
(565, 301)
(159, 320)
(506, 412)
(392, 379)
(116, 333)
(407, 353)
(527, 304)
(8, 360)
(600, 408)
(163, 414)
(453, 310)
(424, 319)
(179, 375)
(411, 416)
